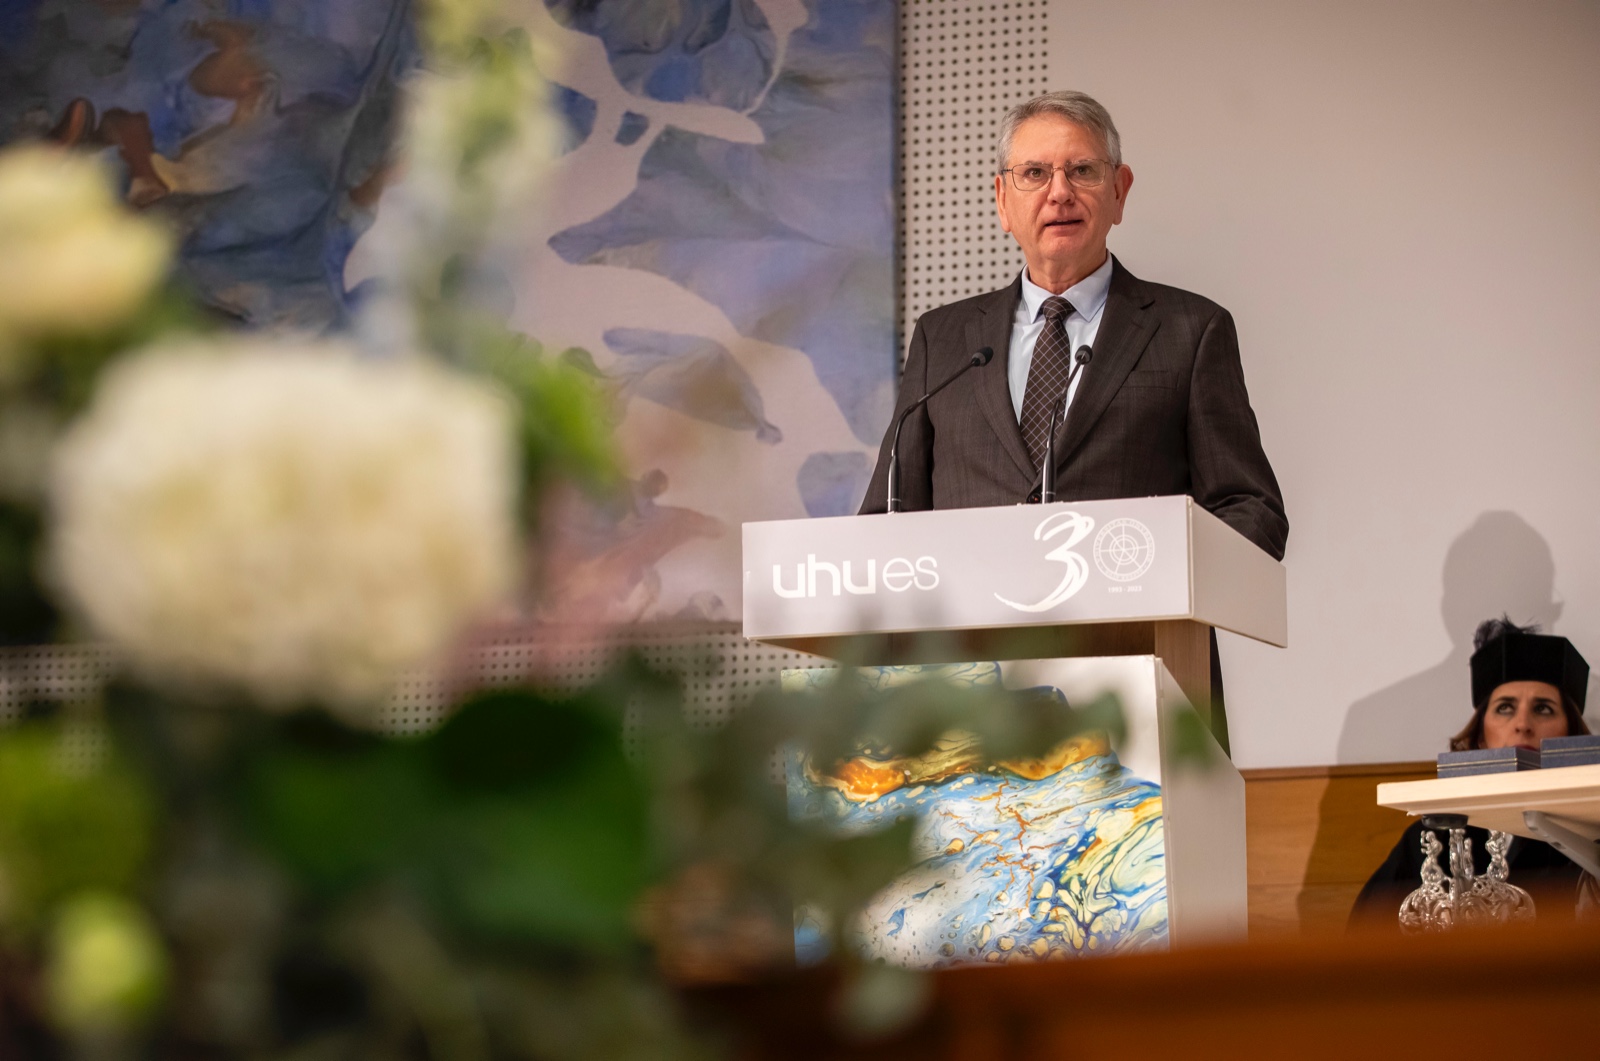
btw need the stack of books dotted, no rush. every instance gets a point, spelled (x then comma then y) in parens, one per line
(1554, 752)
(1569, 751)
(1487, 761)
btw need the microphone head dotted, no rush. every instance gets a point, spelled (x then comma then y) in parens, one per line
(1084, 355)
(983, 357)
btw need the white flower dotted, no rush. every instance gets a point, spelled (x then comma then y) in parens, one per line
(284, 517)
(72, 258)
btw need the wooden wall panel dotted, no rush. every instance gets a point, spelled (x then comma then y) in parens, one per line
(1314, 836)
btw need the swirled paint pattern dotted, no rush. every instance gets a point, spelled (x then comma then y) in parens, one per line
(1007, 867)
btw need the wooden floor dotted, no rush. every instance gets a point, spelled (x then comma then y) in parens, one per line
(1314, 836)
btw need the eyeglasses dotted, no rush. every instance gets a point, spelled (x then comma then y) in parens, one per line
(1086, 173)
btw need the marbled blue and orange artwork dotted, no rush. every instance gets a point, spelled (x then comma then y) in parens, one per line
(1024, 860)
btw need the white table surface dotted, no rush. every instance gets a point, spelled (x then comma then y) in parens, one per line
(1496, 801)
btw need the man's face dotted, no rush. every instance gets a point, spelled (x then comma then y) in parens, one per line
(1061, 229)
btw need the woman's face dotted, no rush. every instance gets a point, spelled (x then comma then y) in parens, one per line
(1521, 714)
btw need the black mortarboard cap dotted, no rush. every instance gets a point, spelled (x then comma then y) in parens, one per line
(1514, 657)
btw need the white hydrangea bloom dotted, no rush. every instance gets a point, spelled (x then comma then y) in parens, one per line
(72, 258)
(284, 517)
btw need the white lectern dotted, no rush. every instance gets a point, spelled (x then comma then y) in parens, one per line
(1078, 596)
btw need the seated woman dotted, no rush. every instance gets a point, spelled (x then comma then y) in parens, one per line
(1525, 687)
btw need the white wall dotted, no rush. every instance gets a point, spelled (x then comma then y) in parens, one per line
(1400, 203)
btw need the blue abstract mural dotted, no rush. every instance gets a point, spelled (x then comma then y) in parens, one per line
(735, 155)
(577, 113)
(720, 52)
(1015, 861)
(793, 238)
(263, 131)
(753, 350)
(696, 376)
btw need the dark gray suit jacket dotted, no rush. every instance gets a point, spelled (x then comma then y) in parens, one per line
(1161, 409)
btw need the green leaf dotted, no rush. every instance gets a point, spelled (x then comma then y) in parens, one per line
(508, 740)
(544, 818)
(66, 824)
(565, 868)
(340, 821)
(518, 821)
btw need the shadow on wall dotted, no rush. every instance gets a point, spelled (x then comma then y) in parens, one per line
(1498, 565)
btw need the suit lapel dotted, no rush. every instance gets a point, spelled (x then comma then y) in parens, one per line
(1125, 330)
(992, 328)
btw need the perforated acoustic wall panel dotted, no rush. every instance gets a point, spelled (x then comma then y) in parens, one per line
(962, 66)
(52, 674)
(718, 668)
(58, 674)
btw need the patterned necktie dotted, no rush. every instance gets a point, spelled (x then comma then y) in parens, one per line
(1047, 376)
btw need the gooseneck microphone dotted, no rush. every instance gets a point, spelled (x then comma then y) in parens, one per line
(977, 360)
(1047, 474)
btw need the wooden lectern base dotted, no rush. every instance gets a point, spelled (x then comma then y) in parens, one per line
(1184, 645)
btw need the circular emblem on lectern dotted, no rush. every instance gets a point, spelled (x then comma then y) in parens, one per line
(1124, 549)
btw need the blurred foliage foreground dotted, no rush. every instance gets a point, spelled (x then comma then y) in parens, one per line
(219, 856)
(222, 882)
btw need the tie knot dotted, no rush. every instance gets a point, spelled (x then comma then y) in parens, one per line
(1056, 308)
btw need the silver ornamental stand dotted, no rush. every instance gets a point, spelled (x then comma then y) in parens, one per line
(1464, 898)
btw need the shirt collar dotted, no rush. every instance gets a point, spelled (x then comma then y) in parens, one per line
(1088, 296)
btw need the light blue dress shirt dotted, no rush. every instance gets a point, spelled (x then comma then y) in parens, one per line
(1088, 298)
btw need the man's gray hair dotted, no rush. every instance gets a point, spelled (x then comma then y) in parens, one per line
(1075, 107)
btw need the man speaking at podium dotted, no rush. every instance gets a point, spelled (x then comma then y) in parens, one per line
(1134, 388)
(1155, 405)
